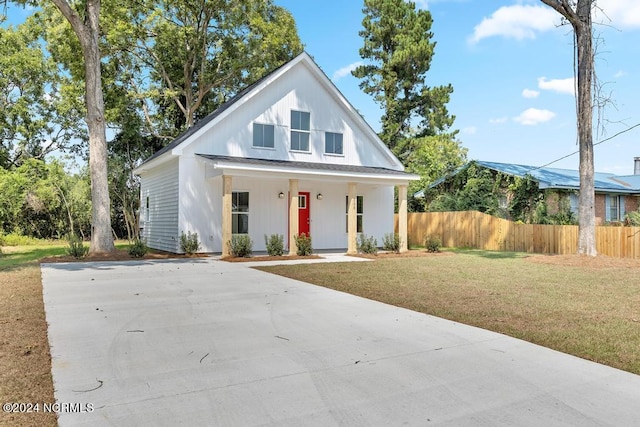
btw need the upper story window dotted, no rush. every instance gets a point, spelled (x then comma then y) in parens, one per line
(332, 143)
(300, 130)
(263, 135)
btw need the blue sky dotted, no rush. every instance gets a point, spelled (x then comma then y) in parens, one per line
(511, 67)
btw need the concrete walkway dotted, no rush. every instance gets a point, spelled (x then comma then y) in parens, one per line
(203, 342)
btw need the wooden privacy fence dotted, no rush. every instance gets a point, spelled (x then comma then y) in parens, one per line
(471, 229)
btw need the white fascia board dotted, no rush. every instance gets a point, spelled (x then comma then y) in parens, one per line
(260, 171)
(163, 158)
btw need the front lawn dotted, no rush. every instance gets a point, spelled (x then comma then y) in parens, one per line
(582, 306)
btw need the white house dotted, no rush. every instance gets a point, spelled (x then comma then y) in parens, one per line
(288, 155)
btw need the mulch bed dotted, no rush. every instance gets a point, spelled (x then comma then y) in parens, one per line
(269, 258)
(408, 254)
(118, 255)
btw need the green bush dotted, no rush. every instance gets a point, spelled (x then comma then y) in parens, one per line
(432, 244)
(241, 245)
(303, 242)
(367, 245)
(275, 244)
(391, 242)
(138, 249)
(189, 243)
(76, 248)
(15, 239)
(632, 219)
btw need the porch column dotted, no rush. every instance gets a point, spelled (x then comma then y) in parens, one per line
(293, 216)
(352, 220)
(226, 214)
(402, 217)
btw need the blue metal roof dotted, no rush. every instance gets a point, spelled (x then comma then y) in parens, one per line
(566, 179)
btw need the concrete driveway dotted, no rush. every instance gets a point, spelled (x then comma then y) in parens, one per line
(204, 342)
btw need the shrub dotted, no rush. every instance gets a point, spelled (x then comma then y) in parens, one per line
(241, 245)
(189, 243)
(275, 244)
(632, 219)
(391, 242)
(432, 244)
(15, 239)
(367, 245)
(138, 249)
(303, 242)
(76, 248)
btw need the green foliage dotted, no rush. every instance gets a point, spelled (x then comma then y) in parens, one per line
(303, 242)
(632, 219)
(525, 197)
(471, 189)
(391, 242)
(397, 53)
(432, 244)
(189, 243)
(138, 249)
(275, 244)
(241, 245)
(76, 248)
(367, 245)
(14, 239)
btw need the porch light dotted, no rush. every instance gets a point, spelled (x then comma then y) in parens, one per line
(281, 195)
(319, 196)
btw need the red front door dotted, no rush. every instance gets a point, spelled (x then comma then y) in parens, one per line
(304, 219)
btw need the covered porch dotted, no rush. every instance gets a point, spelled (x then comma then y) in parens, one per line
(333, 203)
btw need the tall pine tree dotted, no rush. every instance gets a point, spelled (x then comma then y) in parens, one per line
(416, 125)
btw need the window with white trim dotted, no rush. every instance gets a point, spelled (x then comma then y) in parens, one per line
(147, 211)
(300, 130)
(332, 143)
(263, 135)
(359, 213)
(240, 212)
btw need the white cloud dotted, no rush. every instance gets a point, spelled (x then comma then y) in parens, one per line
(345, 71)
(618, 13)
(499, 120)
(471, 130)
(529, 93)
(558, 85)
(533, 116)
(620, 73)
(517, 21)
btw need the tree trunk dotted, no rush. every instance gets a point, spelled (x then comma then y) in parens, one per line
(586, 211)
(88, 32)
(580, 20)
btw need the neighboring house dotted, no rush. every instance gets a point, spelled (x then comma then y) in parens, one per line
(615, 195)
(288, 155)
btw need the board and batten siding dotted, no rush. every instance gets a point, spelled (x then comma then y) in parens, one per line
(160, 220)
(299, 91)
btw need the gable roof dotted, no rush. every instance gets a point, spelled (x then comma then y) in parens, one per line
(245, 94)
(563, 179)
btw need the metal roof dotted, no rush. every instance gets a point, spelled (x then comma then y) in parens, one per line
(566, 179)
(324, 167)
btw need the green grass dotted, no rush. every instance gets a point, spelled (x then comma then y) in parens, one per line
(590, 309)
(17, 256)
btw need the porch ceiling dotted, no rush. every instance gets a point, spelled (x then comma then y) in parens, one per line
(241, 166)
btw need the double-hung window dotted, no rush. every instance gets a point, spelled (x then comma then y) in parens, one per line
(613, 208)
(332, 143)
(240, 212)
(300, 130)
(263, 135)
(359, 213)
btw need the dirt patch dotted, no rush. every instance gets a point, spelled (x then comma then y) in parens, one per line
(583, 261)
(118, 255)
(269, 258)
(25, 364)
